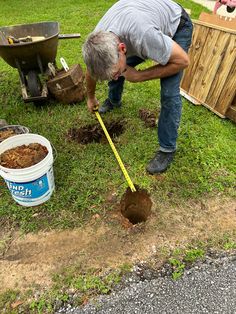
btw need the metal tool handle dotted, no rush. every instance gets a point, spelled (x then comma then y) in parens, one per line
(69, 36)
(127, 177)
(64, 64)
(52, 69)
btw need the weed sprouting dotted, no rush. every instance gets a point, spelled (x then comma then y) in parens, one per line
(183, 258)
(178, 268)
(194, 254)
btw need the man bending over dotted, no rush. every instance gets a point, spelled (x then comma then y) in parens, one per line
(131, 32)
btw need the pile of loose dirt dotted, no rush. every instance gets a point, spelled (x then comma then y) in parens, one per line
(149, 117)
(23, 156)
(94, 133)
(4, 134)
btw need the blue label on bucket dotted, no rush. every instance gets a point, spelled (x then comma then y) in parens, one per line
(29, 190)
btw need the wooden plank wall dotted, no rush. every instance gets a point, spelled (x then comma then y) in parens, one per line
(211, 77)
(231, 112)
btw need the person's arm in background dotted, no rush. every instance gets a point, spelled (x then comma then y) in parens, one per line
(178, 61)
(92, 101)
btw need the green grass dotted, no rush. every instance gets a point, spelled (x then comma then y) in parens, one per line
(184, 257)
(228, 242)
(75, 285)
(71, 285)
(204, 165)
(7, 299)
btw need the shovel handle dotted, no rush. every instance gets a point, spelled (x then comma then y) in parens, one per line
(69, 36)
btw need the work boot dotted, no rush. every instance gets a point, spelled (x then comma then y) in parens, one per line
(108, 106)
(160, 162)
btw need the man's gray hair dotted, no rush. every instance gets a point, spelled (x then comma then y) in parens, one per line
(100, 53)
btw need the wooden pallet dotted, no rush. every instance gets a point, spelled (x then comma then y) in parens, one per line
(211, 77)
(231, 112)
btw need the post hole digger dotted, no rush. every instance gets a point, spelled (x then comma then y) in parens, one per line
(135, 204)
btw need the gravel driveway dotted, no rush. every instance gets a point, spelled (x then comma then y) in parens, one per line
(208, 287)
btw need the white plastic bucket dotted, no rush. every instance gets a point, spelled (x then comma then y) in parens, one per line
(33, 185)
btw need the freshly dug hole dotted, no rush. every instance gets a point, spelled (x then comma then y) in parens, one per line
(94, 133)
(136, 206)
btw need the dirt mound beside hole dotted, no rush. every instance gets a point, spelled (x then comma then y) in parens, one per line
(23, 156)
(149, 117)
(136, 206)
(94, 133)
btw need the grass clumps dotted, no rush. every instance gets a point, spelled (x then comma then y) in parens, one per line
(71, 286)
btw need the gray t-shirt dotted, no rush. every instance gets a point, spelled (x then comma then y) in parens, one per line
(145, 26)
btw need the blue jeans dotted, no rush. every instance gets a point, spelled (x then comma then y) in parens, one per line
(171, 102)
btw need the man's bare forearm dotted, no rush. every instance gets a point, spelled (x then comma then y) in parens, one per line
(178, 61)
(91, 85)
(159, 71)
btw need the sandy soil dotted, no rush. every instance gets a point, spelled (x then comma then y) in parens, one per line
(110, 241)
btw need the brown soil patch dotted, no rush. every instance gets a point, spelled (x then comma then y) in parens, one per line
(94, 133)
(4, 134)
(112, 240)
(149, 117)
(23, 156)
(7, 131)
